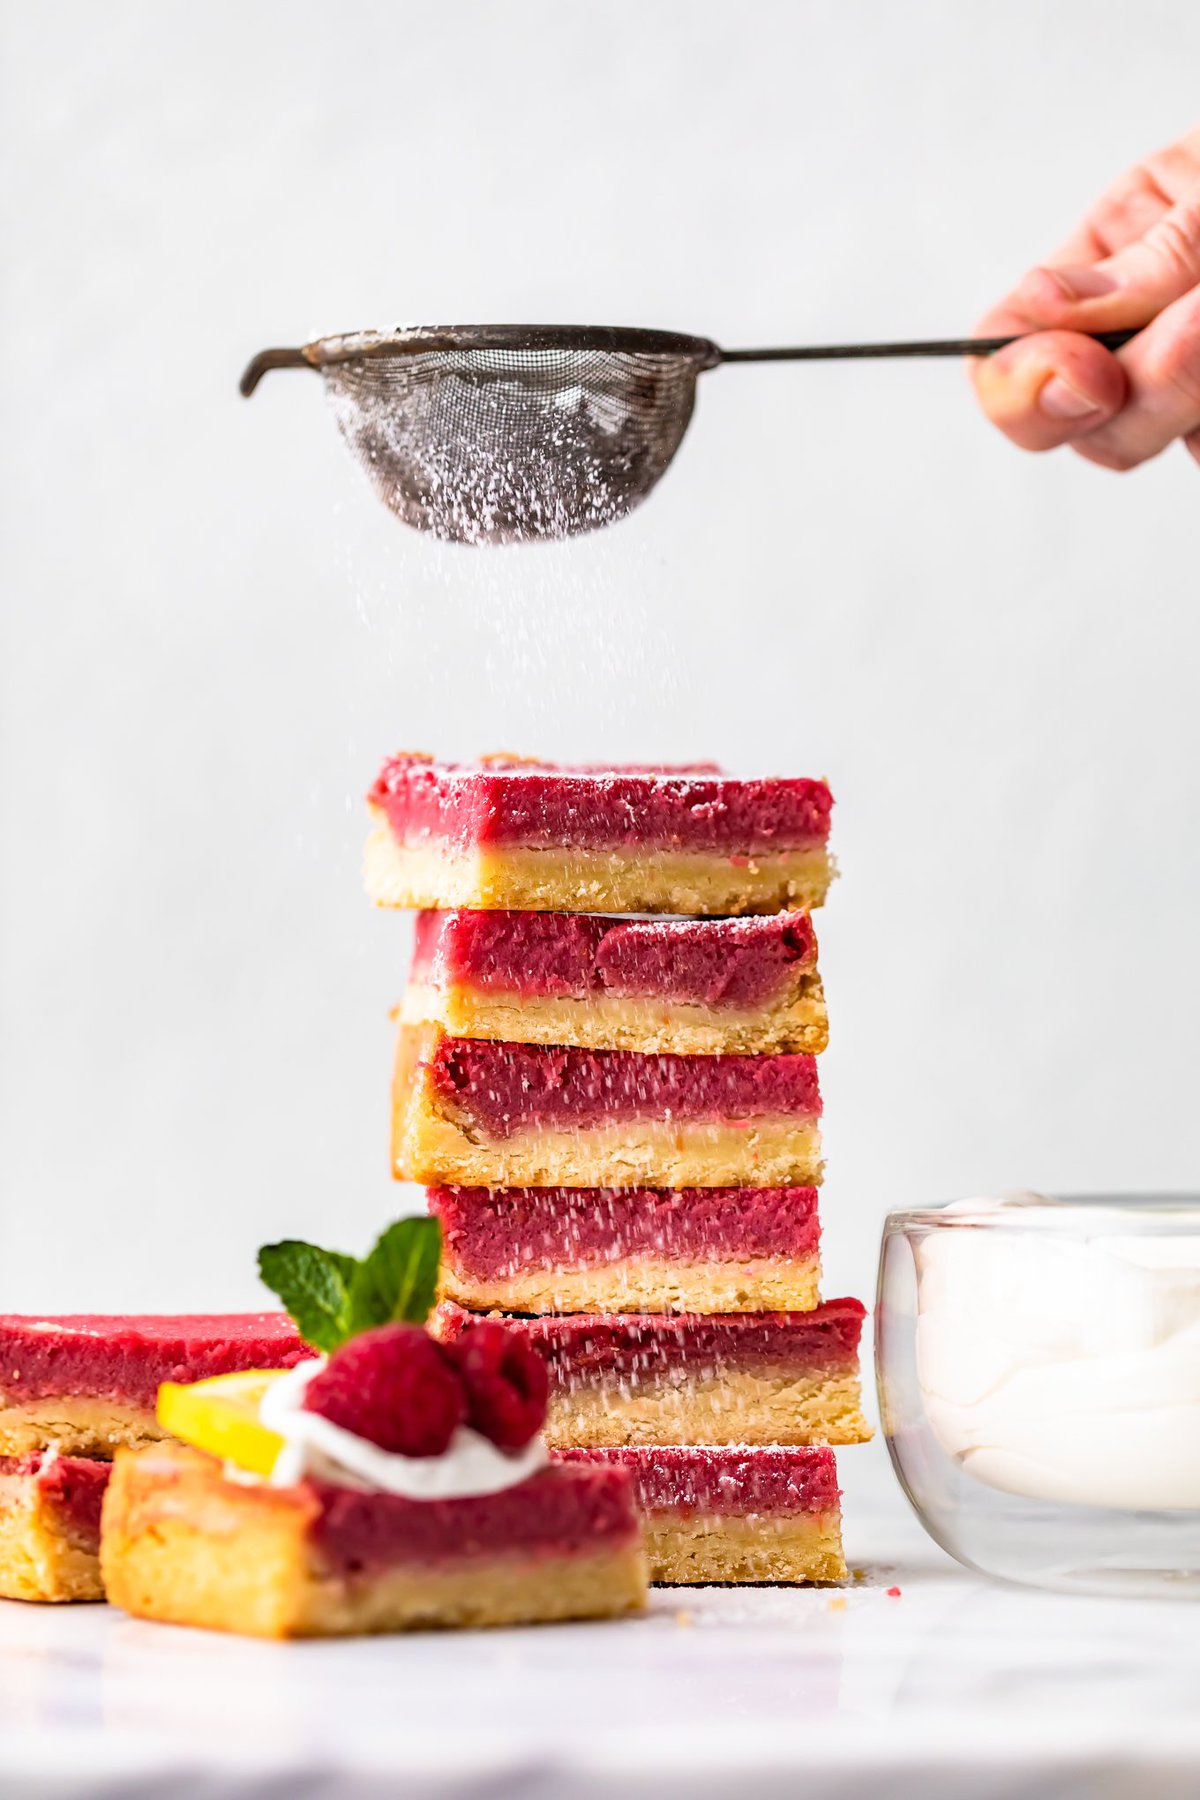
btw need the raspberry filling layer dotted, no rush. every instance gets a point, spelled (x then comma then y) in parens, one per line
(74, 1485)
(494, 1232)
(119, 1356)
(543, 806)
(559, 1511)
(709, 962)
(503, 1088)
(734, 1480)
(585, 1349)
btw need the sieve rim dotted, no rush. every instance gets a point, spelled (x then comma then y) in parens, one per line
(358, 346)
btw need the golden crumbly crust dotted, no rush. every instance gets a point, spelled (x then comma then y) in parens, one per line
(744, 1548)
(775, 1284)
(43, 1555)
(633, 880)
(611, 1022)
(765, 1152)
(183, 1545)
(76, 1425)
(429, 1145)
(742, 1406)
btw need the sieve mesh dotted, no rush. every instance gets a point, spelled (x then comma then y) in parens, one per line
(500, 445)
(493, 434)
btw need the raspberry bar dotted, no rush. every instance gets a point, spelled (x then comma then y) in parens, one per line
(85, 1383)
(523, 1115)
(184, 1544)
(629, 1249)
(50, 1526)
(770, 1514)
(690, 986)
(685, 1378)
(529, 836)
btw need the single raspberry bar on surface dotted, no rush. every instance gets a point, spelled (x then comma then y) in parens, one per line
(693, 986)
(771, 1513)
(184, 1544)
(84, 1383)
(50, 1526)
(687, 1378)
(528, 836)
(486, 1114)
(562, 1249)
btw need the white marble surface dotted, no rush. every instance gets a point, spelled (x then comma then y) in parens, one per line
(957, 1687)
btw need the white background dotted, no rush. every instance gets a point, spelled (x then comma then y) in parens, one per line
(213, 633)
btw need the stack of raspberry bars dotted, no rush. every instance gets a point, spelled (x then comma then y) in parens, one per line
(606, 1077)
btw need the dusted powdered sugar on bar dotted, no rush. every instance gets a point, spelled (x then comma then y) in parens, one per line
(751, 1378)
(520, 835)
(562, 1249)
(699, 986)
(500, 1114)
(542, 805)
(734, 1514)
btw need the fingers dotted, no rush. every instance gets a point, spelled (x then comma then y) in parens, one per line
(1162, 369)
(1123, 290)
(1052, 389)
(1133, 203)
(1116, 410)
(1133, 264)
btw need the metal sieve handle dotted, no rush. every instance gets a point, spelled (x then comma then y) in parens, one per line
(1112, 340)
(257, 367)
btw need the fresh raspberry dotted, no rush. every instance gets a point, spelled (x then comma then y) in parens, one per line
(506, 1383)
(394, 1386)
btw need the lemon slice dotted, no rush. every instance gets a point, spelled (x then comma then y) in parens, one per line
(220, 1415)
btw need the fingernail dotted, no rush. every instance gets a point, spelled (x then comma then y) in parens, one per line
(1061, 401)
(1064, 286)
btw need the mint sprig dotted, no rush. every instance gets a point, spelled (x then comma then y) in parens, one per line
(332, 1296)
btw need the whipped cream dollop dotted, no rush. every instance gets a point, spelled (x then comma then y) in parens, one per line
(317, 1447)
(1065, 1366)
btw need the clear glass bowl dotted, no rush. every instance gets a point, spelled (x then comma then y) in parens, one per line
(1038, 1362)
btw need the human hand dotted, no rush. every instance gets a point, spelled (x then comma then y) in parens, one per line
(1134, 262)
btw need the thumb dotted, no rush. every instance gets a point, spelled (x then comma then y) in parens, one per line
(1127, 289)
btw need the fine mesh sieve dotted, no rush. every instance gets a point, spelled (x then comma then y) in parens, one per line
(503, 433)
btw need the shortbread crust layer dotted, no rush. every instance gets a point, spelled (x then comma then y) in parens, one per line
(183, 1544)
(76, 1424)
(740, 1406)
(428, 1148)
(50, 1527)
(776, 1284)
(618, 1022)
(780, 1548)
(435, 876)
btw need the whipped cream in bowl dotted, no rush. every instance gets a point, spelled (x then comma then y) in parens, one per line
(1038, 1361)
(316, 1447)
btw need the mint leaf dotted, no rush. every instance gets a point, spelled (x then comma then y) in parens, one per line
(314, 1285)
(398, 1280)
